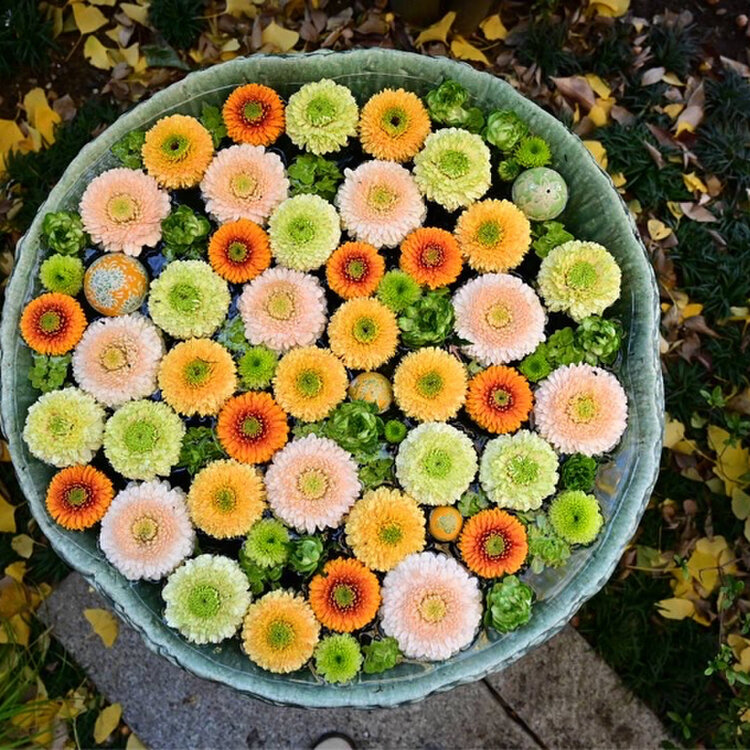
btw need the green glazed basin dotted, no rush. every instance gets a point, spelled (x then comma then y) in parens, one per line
(595, 212)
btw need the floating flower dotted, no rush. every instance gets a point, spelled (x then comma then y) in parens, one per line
(576, 516)
(431, 256)
(254, 114)
(197, 376)
(453, 168)
(117, 359)
(393, 125)
(244, 182)
(52, 323)
(355, 270)
(257, 367)
(580, 279)
(380, 203)
(499, 399)
(364, 333)
(122, 210)
(338, 658)
(177, 151)
(146, 532)
(384, 527)
(518, 471)
(309, 382)
(494, 235)
(142, 439)
(304, 231)
(431, 606)
(188, 299)
(64, 427)
(312, 483)
(267, 543)
(283, 309)
(78, 497)
(581, 409)
(430, 385)
(321, 116)
(493, 543)
(62, 274)
(252, 427)
(239, 251)
(280, 632)
(345, 596)
(501, 317)
(226, 498)
(436, 463)
(398, 290)
(206, 598)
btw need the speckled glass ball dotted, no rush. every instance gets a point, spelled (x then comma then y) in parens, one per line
(373, 388)
(541, 193)
(115, 284)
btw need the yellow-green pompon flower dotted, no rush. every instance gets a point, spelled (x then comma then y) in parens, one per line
(321, 116)
(580, 279)
(453, 168)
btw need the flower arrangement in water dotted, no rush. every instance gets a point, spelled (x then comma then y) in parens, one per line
(336, 411)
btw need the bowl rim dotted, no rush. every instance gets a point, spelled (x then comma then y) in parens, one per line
(592, 575)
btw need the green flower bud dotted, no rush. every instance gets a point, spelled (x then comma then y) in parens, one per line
(579, 472)
(62, 231)
(504, 129)
(429, 321)
(508, 605)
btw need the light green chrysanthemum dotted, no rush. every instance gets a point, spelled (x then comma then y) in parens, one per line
(533, 151)
(453, 168)
(64, 427)
(257, 366)
(188, 299)
(304, 231)
(206, 598)
(580, 279)
(142, 439)
(436, 463)
(338, 658)
(576, 516)
(267, 543)
(398, 290)
(518, 471)
(321, 116)
(62, 273)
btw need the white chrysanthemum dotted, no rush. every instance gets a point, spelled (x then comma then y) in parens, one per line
(380, 203)
(312, 483)
(501, 317)
(146, 532)
(117, 359)
(431, 606)
(283, 309)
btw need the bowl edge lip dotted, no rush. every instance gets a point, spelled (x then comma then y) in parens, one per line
(361, 695)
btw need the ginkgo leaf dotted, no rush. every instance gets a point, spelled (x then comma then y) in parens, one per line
(732, 462)
(493, 28)
(134, 743)
(107, 722)
(41, 115)
(673, 110)
(88, 18)
(238, 8)
(104, 624)
(675, 608)
(7, 511)
(658, 230)
(278, 37)
(674, 431)
(464, 50)
(672, 79)
(96, 53)
(137, 13)
(598, 152)
(740, 503)
(22, 545)
(438, 32)
(693, 182)
(599, 113)
(598, 85)
(610, 8)
(16, 570)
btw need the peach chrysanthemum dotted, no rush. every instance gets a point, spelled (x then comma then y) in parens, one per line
(117, 359)
(254, 114)
(355, 270)
(177, 151)
(78, 496)
(581, 409)
(431, 256)
(226, 498)
(493, 543)
(430, 385)
(499, 399)
(197, 376)
(364, 333)
(494, 235)
(312, 483)
(53, 323)
(146, 533)
(283, 308)
(501, 317)
(431, 606)
(122, 209)
(380, 203)
(239, 251)
(244, 182)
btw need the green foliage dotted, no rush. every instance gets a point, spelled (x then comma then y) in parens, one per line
(185, 234)
(306, 555)
(309, 173)
(450, 104)
(544, 44)
(200, 446)
(381, 655)
(232, 335)
(611, 51)
(429, 321)
(178, 21)
(683, 383)
(674, 45)
(508, 605)
(548, 235)
(724, 150)
(48, 373)
(259, 578)
(728, 99)
(356, 427)
(25, 36)
(128, 149)
(578, 472)
(212, 119)
(375, 471)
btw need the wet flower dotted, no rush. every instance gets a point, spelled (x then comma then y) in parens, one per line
(499, 399)
(431, 257)
(254, 114)
(576, 516)
(508, 605)
(256, 367)
(62, 274)
(493, 543)
(78, 496)
(239, 251)
(52, 323)
(354, 270)
(398, 290)
(338, 658)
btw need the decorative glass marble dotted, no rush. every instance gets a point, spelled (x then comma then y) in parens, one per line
(115, 284)
(541, 193)
(373, 388)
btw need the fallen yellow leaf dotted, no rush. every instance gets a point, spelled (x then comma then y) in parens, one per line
(22, 545)
(107, 722)
(619, 179)
(599, 113)
(658, 230)
(438, 32)
(598, 152)
(599, 86)
(610, 8)
(7, 511)
(493, 28)
(16, 570)
(88, 18)
(464, 50)
(134, 743)
(278, 37)
(41, 115)
(104, 624)
(239, 8)
(693, 182)
(732, 462)
(675, 608)
(691, 310)
(673, 110)
(674, 432)
(740, 503)
(137, 13)
(96, 53)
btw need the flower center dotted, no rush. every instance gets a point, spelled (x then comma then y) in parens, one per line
(280, 635)
(175, 147)
(523, 470)
(489, 233)
(244, 185)
(344, 595)
(453, 163)
(309, 383)
(355, 269)
(365, 330)
(320, 111)
(252, 426)
(582, 408)
(204, 601)
(437, 463)
(140, 437)
(59, 426)
(500, 399)
(197, 372)
(184, 298)
(430, 384)
(225, 499)
(50, 321)
(301, 230)
(281, 305)
(494, 544)
(114, 357)
(253, 111)
(498, 316)
(123, 208)
(77, 496)
(381, 198)
(582, 275)
(390, 534)
(144, 529)
(394, 121)
(432, 256)
(432, 608)
(238, 251)
(313, 483)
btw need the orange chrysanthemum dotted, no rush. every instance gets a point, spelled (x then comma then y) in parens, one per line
(78, 497)
(345, 596)
(239, 251)
(493, 543)
(431, 256)
(254, 114)
(252, 427)
(53, 323)
(355, 270)
(499, 399)
(393, 125)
